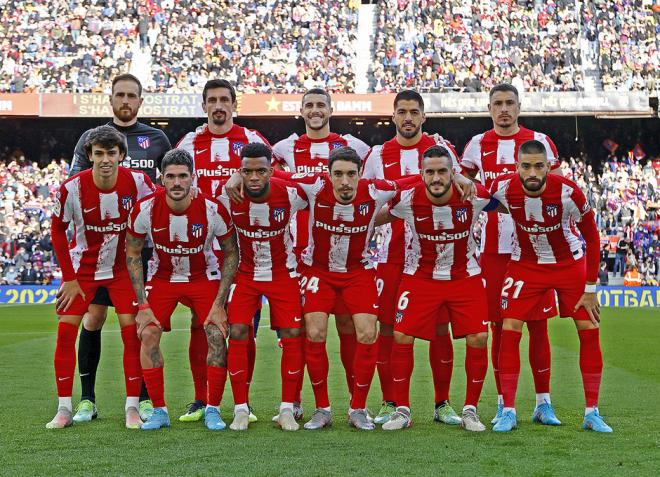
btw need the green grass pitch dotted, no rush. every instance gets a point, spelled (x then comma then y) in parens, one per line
(630, 391)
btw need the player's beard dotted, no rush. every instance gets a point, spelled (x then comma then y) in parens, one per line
(220, 120)
(257, 194)
(125, 114)
(437, 195)
(324, 123)
(186, 192)
(347, 195)
(408, 134)
(534, 187)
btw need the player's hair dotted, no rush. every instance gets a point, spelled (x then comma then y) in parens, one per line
(532, 147)
(438, 151)
(344, 154)
(409, 95)
(503, 87)
(318, 91)
(127, 77)
(256, 149)
(177, 157)
(219, 83)
(106, 137)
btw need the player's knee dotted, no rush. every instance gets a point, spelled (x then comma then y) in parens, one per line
(316, 334)
(95, 318)
(366, 336)
(239, 332)
(150, 336)
(289, 332)
(386, 329)
(401, 338)
(512, 324)
(477, 340)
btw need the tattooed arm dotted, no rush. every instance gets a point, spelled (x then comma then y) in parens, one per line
(134, 247)
(218, 315)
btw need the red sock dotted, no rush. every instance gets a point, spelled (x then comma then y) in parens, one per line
(316, 358)
(384, 365)
(237, 364)
(591, 365)
(364, 367)
(251, 359)
(291, 367)
(347, 345)
(153, 378)
(509, 365)
(65, 358)
(217, 377)
(299, 385)
(197, 352)
(476, 366)
(132, 367)
(403, 362)
(539, 354)
(495, 343)
(441, 356)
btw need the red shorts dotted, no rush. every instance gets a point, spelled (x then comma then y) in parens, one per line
(120, 290)
(339, 307)
(493, 269)
(388, 278)
(322, 290)
(198, 295)
(283, 297)
(527, 286)
(423, 303)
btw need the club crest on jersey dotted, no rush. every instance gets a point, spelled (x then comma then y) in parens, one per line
(336, 145)
(461, 214)
(279, 214)
(363, 209)
(552, 210)
(144, 142)
(196, 230)
(505, 303)
(237, 147)
(127, 202)
(398, 316)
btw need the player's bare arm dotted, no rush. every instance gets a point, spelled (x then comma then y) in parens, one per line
(234, 188)
(384, 217)
(465, 186)
(218, 315)
(145, 316)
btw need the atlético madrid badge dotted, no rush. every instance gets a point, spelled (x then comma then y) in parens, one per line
(144, 142)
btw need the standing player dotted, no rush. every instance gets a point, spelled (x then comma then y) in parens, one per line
(267, 268)
(547, 212)
(440, 270)
(216, 149)
(97, 201)
(184, 270)
(396, 158)
(490, 155)
(146, 148)
(309, 153)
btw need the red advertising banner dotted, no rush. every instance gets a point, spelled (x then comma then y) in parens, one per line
(19, 104)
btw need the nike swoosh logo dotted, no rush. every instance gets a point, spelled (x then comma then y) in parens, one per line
(84, 374)
(158, 230)
(135, 303)
(297, 319)
(236, 372)
(238, 213)
(512, 207)
(87, 211)
(64, 379)
(419, 219)
(294, 372)
(398, 380)
(362, 385)
(545, 310)
(201, 151)
(134, 378)
(390, 164)
(446, 362)
(542, 370)
(484, 323)
(477, 381)
(381, 362)
(300, 150)
(375, 307)
(324, 206)
(488, 153)
(317, 383)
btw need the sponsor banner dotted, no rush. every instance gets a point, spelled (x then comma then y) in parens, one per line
(96, 105)
(597, 102)
(289, 104)
(629, 297)
(23, 104)
(27, 294)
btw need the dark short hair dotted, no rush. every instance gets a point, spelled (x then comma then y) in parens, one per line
(438, 151)
(177, 157)
(219, 83)
(106, 137)
(532, 147)
(256, 149)
(127, 77)
(409, 95)
(503, 87)
(344, 154)
(317, 91)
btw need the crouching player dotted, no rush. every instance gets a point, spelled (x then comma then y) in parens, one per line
(184, 270)
(97, 201)
(547, 212)
(440, 270)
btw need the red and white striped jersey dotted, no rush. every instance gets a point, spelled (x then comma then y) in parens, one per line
(545, 226)
(340, 233)
(217, 156)
(392, 161)
(304, 155)
(183, 241)
(99, 217)
(442, 244)
(264, 235)
(493, 155)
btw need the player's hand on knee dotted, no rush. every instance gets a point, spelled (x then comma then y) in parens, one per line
(590, 303)
(218, 317)
(67, 294)
(143, 319)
